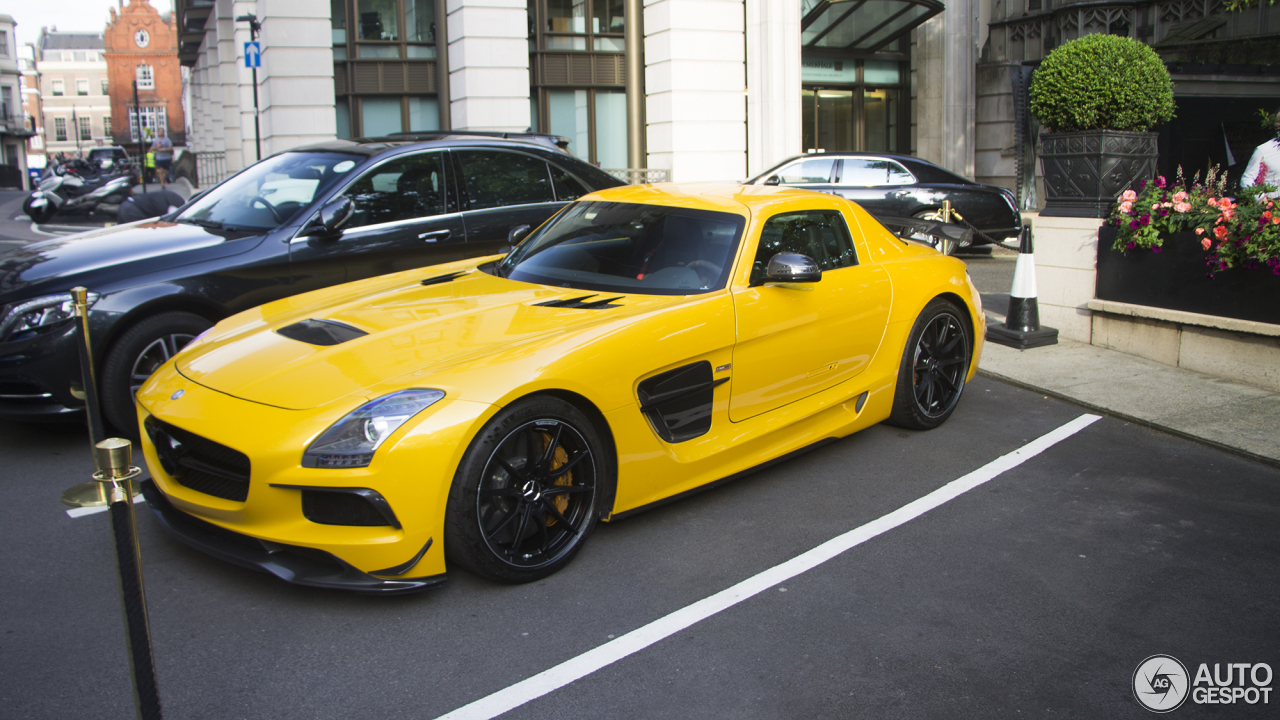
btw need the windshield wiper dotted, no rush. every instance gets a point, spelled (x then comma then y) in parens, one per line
(211, 224)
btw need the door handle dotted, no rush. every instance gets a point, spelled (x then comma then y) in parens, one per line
(434, 235)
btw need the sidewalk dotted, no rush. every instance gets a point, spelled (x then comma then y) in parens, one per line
(1242, 419)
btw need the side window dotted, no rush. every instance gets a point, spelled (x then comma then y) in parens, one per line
(808, 170)
(567, 186)
(820, 234)
(494, 178)
(898, 175)
(402, 189)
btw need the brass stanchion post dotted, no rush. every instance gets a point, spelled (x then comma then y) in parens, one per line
(88, 494)
(113, 457)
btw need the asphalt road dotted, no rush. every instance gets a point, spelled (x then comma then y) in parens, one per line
(1035, 594)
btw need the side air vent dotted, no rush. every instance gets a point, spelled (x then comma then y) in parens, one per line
(199, 463)
(581, 303)
(678, 402)
(439, 279)
(344, 506)
(321, 332)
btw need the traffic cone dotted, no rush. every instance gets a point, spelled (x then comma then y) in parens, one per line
(1021, 327)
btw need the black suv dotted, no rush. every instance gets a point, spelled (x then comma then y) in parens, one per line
(299, 220)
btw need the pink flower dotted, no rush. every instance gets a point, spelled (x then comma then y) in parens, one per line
(1262, 174)
(1213, 202)
(1275, 220)
(1199, 231)
(1180, 196)
(1182, 207)
(1205, 243)
(1126, 206)
(1220, 232)
(1155, 207)
(1129, 196)
(1168, 204)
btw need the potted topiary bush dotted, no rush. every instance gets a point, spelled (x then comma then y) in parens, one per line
(1097, 97)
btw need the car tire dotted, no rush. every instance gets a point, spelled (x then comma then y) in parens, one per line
(935, 363)
(528, 492)
(140, 351)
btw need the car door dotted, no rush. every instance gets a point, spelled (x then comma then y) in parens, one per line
(809, 173)
(796, 339)
(402, 220)
(879, 185)
(502, 189)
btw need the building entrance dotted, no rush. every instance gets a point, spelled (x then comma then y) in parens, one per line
(841, 120)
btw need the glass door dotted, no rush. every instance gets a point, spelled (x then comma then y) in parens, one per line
(829, 118)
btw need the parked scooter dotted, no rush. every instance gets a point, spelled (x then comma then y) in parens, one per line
(78, 186)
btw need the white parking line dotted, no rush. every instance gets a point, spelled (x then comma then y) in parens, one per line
(639, 639)
(82, 511)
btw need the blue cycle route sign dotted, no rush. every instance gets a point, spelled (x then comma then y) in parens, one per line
(253, 54)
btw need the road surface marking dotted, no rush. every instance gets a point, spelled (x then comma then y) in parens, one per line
(641, 638)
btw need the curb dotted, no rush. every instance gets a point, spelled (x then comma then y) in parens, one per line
(1273, 462)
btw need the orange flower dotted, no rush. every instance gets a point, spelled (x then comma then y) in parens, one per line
(1199, 231)
(1205, 243)
(1220, 232)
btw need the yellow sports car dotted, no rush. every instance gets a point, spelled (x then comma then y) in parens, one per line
(645, 342)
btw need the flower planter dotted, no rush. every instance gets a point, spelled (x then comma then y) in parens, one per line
(1176, 278)
(1085, 171)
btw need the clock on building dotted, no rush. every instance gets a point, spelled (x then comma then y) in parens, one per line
(141, 38)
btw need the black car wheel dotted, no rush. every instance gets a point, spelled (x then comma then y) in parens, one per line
(140, 351)
(38, 215)
(527, 493)
(934, 366)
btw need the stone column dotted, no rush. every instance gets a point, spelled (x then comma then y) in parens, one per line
(295, 89)
(695, 79)
(489, 64)
(212, 88)
(945, 96)
(227, 92)
(773, 82)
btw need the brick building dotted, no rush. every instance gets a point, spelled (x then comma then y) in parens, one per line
(142, 46)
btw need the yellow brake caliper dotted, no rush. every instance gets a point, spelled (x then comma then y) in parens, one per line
(558, 461)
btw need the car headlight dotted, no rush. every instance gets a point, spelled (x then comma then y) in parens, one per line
(351, 442)
(23, 319)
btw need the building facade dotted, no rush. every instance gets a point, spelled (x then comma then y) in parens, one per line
(15, 127)
(73, 92)
(143, 74)
(720, 89)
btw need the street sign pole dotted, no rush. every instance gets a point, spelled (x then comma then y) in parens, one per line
(252, 59)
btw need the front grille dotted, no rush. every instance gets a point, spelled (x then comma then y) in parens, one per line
(200, 463)
(340, 508)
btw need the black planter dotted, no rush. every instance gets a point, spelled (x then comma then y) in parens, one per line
(1176, 278)
(1085, 171)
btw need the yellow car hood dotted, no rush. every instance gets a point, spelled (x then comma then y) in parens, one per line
(410, 327)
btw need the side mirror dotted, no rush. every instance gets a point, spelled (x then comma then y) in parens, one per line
(793, 268)
(773, 180)
(332, 217)
(516, 234)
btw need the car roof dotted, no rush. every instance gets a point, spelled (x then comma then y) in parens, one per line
(715, 196)
(378, 145)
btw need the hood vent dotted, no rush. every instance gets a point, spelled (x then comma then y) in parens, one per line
(321, 332)
(581, 303)
(439, 279)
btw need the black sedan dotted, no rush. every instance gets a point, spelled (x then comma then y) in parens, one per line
(300, 220)
(903, 186)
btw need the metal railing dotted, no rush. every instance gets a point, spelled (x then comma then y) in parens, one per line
(211, 167)
(638, 176)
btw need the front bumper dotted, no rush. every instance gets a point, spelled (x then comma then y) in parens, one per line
(300, 565)
(36, 376)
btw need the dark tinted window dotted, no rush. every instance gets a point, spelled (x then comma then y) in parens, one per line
(820, 234)
(567, 186)
(402, 189)
(807, 171)
(495, 178)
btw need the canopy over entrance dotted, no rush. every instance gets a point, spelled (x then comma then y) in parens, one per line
(861, 25)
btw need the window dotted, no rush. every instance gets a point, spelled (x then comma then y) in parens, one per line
(106, 126)
(4, 43)
(494, 178)
(154, 119)
(595, 121)
(86, 128)
(104, 86)
(145, 79)
(6, 101)
(58, 87)
(870, 172)
(400, 189)
(807, 171)
(60, 129)
(82, 86)
(819, 234)
(571, 23)
(378, 20)
(79, 56)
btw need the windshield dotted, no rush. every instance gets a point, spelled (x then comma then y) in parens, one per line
(623, 247)
(268, 194)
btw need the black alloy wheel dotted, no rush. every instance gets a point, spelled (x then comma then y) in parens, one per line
(934, 366)
(527, 493)
(139, 352)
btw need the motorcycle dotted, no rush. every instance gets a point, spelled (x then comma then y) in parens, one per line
(76, 185)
